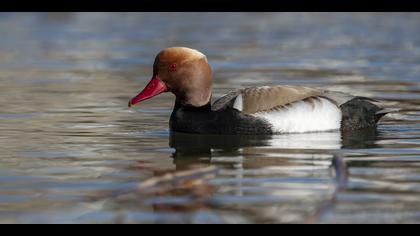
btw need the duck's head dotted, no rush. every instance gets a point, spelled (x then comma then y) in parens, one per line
(183, 71)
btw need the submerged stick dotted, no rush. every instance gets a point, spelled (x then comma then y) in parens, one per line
(341, 178)
(177, 178)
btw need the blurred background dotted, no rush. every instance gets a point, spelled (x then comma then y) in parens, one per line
(72, 152)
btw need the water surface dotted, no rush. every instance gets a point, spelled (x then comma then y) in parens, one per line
(72, 152)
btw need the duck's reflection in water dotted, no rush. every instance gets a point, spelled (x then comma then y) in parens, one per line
(194, 148)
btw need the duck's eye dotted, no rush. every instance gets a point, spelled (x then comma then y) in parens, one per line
(172, 67)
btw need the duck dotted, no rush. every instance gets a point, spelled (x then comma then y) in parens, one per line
(261, 110)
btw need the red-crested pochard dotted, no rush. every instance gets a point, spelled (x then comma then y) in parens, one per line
(258, 110)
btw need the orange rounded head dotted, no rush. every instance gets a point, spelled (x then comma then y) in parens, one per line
(183, 71)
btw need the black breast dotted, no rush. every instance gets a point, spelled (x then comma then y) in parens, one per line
(204, 120)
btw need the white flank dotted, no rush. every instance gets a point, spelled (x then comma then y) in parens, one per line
(301, 117)
(238, 105)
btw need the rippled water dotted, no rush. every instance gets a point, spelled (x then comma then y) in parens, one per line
(72, 152)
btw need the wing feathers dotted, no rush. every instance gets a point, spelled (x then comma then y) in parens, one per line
(260, 99)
